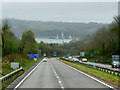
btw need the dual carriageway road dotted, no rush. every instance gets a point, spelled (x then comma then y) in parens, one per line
(55, 74)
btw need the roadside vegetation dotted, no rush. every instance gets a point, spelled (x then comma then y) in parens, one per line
(110, 78)
(26, 64)
(14, 49)
(102, 44)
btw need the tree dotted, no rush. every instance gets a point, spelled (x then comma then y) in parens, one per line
(0, 42)
(117, 19)
(28, 44)
(8, 40)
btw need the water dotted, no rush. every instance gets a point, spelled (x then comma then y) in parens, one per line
(47, 40)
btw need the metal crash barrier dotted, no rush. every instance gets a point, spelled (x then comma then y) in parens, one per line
(4, 78)
(97, 67)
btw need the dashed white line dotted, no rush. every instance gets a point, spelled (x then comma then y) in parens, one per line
(62, 87)
(88, 76)
(59, 81)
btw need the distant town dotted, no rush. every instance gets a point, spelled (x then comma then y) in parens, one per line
(60, 36)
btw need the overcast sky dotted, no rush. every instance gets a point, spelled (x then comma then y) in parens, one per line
(62, 12)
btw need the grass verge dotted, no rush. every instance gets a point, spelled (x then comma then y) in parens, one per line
(105, 76)
(25, 67)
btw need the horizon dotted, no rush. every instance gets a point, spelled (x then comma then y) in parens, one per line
(100, 12)
(53, 21)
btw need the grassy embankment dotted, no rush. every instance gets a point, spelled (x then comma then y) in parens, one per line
(25, 63)
(110, 78)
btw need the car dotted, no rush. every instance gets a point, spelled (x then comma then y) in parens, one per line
(45, 60)
(70, 58)
(75, 60)
(66, 58)
(49, 57)
(63, 58)
(84, 60)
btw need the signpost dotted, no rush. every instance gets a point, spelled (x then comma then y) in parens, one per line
(14, 65)
(54, 53)
(82, 54)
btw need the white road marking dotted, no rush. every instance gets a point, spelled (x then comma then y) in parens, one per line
(88, 76)
(59, 81)
(55, 74)
(27, 76)
(62, 87)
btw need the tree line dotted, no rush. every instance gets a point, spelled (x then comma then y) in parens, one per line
(104, 42)
(26, 45)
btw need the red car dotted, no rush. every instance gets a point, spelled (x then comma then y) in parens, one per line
(49, 57)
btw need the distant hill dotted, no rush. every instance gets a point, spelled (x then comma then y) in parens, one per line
(51, 29)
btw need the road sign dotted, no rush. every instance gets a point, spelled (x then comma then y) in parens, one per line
(116, 57)
(68, 53)
(35, 59)
(82, 54)
(54, 53)
(33, 55)
(14, 65)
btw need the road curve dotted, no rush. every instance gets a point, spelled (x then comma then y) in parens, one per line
(54, 74)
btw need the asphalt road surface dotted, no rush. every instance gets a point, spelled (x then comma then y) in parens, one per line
(54, 74)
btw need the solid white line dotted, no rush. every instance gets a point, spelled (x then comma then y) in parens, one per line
(26, 76)
(90, 76)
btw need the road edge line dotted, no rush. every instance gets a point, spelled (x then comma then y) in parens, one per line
(88, 75)
(27, 76)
